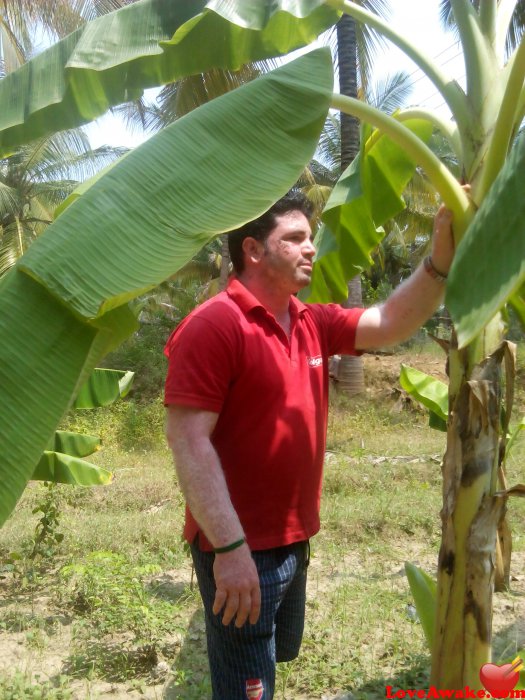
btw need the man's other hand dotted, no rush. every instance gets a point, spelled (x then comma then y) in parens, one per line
(238, 591)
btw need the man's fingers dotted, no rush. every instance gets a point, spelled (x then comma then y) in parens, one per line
(220, 599)
(246, 606)
(244, 609)
(256, 605)
(232, 605)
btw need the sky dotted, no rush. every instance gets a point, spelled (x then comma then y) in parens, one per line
(418, 19)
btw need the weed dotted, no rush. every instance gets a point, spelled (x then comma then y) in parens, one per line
(129, 425)
(110, 599)
(47, 536)
(20, 686)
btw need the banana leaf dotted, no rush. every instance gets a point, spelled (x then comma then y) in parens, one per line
(365, 197)
(84, 186)
(103, 388)
(74, 444)
(63, 306)
(66, 469)
(429, 392)
(148, 43)
(491, 255)
(423, 589)
(148, 202)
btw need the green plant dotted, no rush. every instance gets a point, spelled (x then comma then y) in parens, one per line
(47, 536)
(110, 598)
(20, 686)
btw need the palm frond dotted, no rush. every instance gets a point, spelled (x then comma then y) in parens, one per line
(139, 115)
(329, 148)
(13, 50)
(10, 202)
(391, 93)
(516, 28)
(14, 241)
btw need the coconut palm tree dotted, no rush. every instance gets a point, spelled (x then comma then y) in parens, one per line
(40, 175)
(36, 179)
(355, 47)
(54, 18)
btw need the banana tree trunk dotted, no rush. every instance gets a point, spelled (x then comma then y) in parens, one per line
(473, 510)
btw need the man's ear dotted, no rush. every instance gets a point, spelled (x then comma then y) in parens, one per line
(253, 249)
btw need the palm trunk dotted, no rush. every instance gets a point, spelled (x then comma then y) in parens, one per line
(351, 378)
(473, 510)
(350, 373)
(225, 263)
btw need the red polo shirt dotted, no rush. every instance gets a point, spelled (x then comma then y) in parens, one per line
(230, 356)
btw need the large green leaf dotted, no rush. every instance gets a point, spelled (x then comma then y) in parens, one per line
(431, 393)
(74, 444)
(206, 173)
(42, 354)
(489, 266)
(423, 589)
(365, 197)
(152, 42)
(103, 388)
(65, 469)
(85, 186)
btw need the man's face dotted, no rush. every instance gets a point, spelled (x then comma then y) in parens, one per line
(288, 252)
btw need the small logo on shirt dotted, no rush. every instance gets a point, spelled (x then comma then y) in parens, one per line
(254, 689)
(315, 361)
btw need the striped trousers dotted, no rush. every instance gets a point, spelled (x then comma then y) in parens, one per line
(242, 661)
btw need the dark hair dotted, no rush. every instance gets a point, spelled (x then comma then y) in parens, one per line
(261, 227)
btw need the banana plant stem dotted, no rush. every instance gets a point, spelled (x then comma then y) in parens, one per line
(507, 120)
(452, 193)
(446, 127)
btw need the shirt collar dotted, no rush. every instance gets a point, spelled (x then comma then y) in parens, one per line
(242, 296)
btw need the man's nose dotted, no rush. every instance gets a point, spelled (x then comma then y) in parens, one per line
(309, 248)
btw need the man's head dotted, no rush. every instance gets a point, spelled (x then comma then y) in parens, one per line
(260, 228)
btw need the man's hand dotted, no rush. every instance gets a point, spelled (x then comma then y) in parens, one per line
(238, 590)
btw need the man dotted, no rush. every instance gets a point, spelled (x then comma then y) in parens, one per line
(247, 399)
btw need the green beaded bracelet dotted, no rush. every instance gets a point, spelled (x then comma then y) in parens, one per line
(229, 547)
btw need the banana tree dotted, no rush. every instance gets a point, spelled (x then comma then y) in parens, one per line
(65, 302)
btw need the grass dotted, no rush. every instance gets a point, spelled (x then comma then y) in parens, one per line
(109, 610)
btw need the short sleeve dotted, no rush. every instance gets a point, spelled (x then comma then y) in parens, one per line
(201, 363)
(338, 326)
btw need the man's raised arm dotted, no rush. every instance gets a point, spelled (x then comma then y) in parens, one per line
(414, 301)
